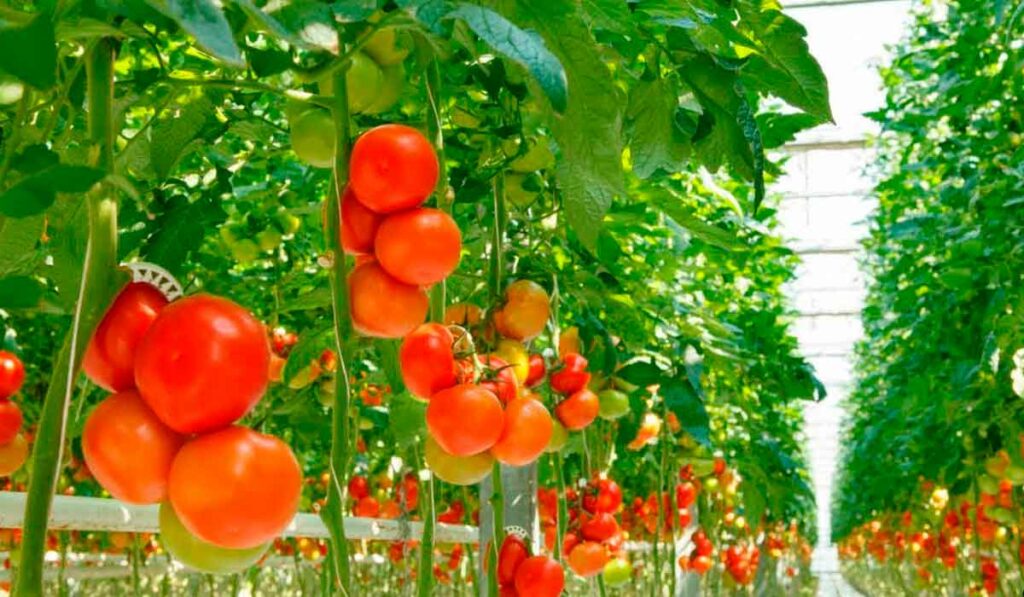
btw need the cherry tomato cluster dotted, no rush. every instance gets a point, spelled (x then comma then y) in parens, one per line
(404, 248)
(579, 406)
(699, 559)
(13, 444)
(181, 376)
(522, 575)
(378, 504)
(594, 538)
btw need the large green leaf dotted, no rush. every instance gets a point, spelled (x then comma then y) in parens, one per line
(683, 401)
(205, 20)
(19, 292)
(35, 193)
(783, 65)
(304, 23)
(30, 52)
(654, 142)
(525, 47)
(173, 134)
(180, 230)
(18, 240)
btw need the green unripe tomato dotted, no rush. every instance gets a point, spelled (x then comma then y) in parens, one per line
(617, 572)
(11, 90)
(268, 239)
(559, 435)
(387, 47)
(390, 89)
(289, 223)
(245, 251)
(364, 80)
(312, 136)
(613, 404)
(228, 236)
(200, 555)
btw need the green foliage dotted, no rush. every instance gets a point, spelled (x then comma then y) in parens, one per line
(934, 394)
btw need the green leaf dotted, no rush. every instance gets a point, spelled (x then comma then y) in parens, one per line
(779, 129)
(303, 23)
(18, 240)
(525, 47)
(682, 400)
(650, 117)
(782, 64)
(180, 230)
(34, 194)
(641, 373)
(20, 292)
(30, 52)
(204, 20)
(608, 15)
(701, 230)
(310, 346)
(68, 226)
(174, 132)
(589, 171)
(408, 419)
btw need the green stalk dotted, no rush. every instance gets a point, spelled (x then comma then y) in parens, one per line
(562, 519)
(332, 513)
(498, 532)
(100, 280)
(425, 579)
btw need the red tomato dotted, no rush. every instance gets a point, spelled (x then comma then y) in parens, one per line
(512, 554)
(419, 246)
(588, 558)
(609, 496)
(358, 225)
(367, 507)
(110, 356)
(526, 311)
(572, 376)
(427, 360)
(579, 410)
(537, 371)
(701, 564)
(465, 420)
(382, 306)
(358, 487)
(393, 167)
(569, 541)
(600, 528)
(527, 431)
(129, 450)
(540, 576)
(203, 364)
(499, 377)
(686, 494)
(10, 421)
(12, 374)
(235, 487)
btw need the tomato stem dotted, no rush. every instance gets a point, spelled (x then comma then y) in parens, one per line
(563, 508)
(498, 523)
(332, 513)
(99, 282)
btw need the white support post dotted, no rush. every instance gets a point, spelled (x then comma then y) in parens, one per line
(519, 484)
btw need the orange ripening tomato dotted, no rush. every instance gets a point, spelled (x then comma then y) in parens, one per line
(393, 167)
(419, 246)
(527, 430)
(579, 410)
(540, 576)
(10, 421)
(129, 450)
(465, 420)
(110, 356)
(526, 311)
(464, 314)
(13, 455)
(235, 487)
(427, 360)
(203, 364)
(382, 306)
(588, 558)
(359, 225)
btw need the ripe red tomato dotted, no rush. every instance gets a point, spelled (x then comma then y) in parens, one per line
(358, 487)
(571, 376)
(537, 371)
(579, 410)
(419, 246)
(110, 356)
(609, 496)
(528, 428)
(382, 306)
(12, 374)
(686, 494)
(367, 507)
(512, 554)
(393, 167)
(203, 364)
(499, 377)
(427, 360)
(540, 576)
(526, 311)
(588, 558)
(569, 540)
(10, 421)
(235, 487)
(701, 564)
(129, 450)
(465, 420)
(600, 528)
(358, 225)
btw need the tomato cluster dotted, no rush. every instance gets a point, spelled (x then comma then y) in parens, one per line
(522, 575)
(181, 375)
(13, 444)
(377, 504)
